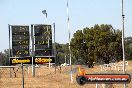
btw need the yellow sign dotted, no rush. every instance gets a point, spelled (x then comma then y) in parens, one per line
(42, 60)
(15, 61)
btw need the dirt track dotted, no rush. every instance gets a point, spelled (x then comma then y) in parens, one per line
(46, 78)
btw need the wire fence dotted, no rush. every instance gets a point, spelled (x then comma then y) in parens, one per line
(10, 77)
(47, 78)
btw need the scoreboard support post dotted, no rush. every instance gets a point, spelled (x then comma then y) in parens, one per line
(32, 38)
(49, 61)
(33, 68)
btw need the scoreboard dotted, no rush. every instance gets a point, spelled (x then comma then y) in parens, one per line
(29, 44)
(43, 40)
(20, 41)
(20, 45)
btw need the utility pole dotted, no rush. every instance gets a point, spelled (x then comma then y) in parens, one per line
(9, 48)
(123, 48)
(123, 16)
(54, 47)
(69, 40)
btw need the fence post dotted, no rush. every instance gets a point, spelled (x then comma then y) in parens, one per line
(10, 73)
(96, 85)
(22, 76)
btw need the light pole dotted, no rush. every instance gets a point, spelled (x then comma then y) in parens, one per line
(9, 48)
(123, 16)
(69, 41)
(54, 47)
(123, 49)
(45, 13)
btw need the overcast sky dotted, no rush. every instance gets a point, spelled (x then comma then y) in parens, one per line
(83, 13)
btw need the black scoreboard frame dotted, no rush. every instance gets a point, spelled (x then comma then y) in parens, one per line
(43, 40)
(14, 57)
(41, 58)
(31, 58)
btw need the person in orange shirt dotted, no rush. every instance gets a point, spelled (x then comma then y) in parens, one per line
(81, 71)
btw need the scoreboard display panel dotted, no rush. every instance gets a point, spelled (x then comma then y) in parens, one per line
(38, 39)
(43, 40)
(20, 41)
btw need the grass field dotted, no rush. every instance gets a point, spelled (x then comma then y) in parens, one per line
(46, 78)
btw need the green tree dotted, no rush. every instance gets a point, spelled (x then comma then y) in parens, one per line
(128, 48)
(4, 57)
(96, 44)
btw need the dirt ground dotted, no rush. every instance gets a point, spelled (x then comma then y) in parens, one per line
(47, 78)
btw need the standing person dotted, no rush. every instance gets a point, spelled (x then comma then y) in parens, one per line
(81, 71)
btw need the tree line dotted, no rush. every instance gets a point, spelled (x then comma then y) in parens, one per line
(99, 44)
